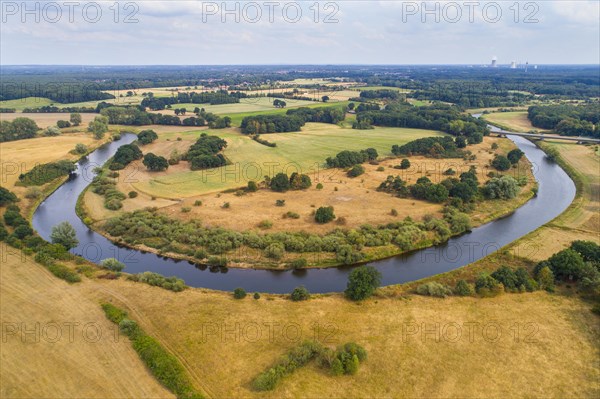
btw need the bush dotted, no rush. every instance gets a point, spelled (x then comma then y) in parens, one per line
(51, 131)
(291, 215)
(7, 197)
(239, 293)
(265, 224)
(545, 279)
(197, 203)
(81, 149)
(129, 328)
(147, 136)
(256, 295)
(113, 313)
(300, 294)
(507, 277)
(589, 250)
(356, 170)
(22, 231)
(464, 289)
(319, 186)
(486, 285)
(275, 251)
(65, 235)
(434, 289)
(112, 264)
(566, 264)
(279, 202)
(217, 261)
(252, 186)
(362, 282)
(280, 183)
(298, 263)
(33, 193)
(324, 214)
(157, 280)
(405, 164)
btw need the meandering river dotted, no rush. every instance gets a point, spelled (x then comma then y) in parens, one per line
(556, 192)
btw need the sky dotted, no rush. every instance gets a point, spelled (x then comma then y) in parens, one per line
(299, 32)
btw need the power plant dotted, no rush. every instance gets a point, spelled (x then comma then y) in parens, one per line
(494, 62)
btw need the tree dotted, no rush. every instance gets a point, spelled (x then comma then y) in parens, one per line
(362, 283)
(75, 119)
(155, 163)
(589, 250)
(514, 156)
(325, 98)
(112, 264)
(147, 136)
(324, 214)
(505, 187)
(300, 181)
(507, 277)
(98, 127)
(460, 141)
(546, 279)
(65, 235)
(63, 124)
(566, 264)
(356, 171)
(6, 197)
(300, 294)
(405, 164)
(501, 163)
(280, 183)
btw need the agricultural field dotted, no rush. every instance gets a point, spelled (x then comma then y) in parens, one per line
(305, 150)
(513, 121)
(98, 365)
(43, 120)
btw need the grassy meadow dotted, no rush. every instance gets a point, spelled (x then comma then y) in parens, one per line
(513, 121)
(302, 151)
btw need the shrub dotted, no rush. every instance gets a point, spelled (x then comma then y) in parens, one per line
(346, 255)
(51, 131)
(298, 263)
(22, 231)
(356, 170)
(275, 251)
(217, 261)
(486, 285)
(464, 289)
(265, 224)
(362, 282)
(80, 149)
(33, 193)
(157, 280)
(394, 212)
(239, 293)
(256, 295)
(7, 197)
(113, 205)
(589, 250)
(226, 205)
(197, 203)
(155, 163)
(300, 294)
(113, 313)
(279, 202)
(514, 156)
(319, 186)
(434, 289)
(291, 215)
(133, 194)
(112, 264)
(566, 264)
(147, 136)
(324, 214)
(186, 209)
(252, 186)
(129, 328)
(405, 164)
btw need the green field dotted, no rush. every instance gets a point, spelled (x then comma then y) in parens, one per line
(305, 151)
(28, 102)
(245, 105)
(363, 88)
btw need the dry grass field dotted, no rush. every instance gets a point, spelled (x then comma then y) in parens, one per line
(581, 221)
(226, 343)
(44, 120)
(512, 121)
(21, 156)
(56, 342)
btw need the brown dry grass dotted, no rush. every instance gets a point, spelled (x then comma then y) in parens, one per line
(226, 343)
(70, 367)
(44, 120)
(581, 221)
